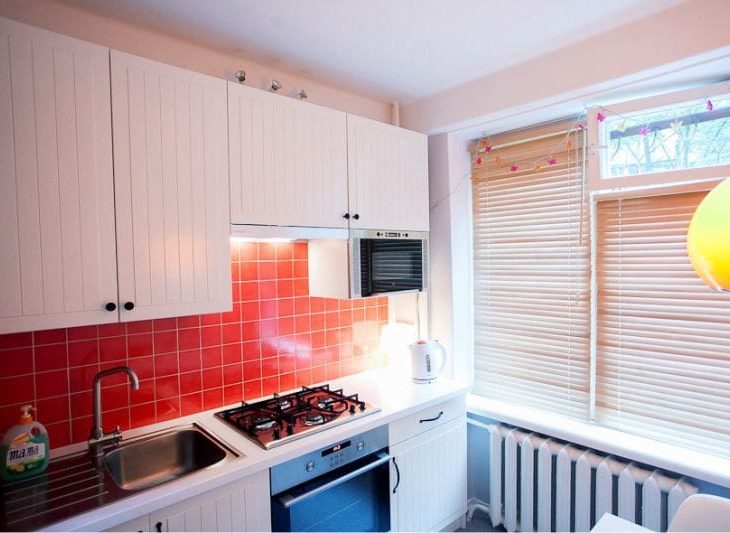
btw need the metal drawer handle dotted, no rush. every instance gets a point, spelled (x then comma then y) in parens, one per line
(397, 479)
(431, 419)
(288, 500)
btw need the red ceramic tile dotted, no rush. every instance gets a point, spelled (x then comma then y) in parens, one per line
(112, 330)
(117, 417)
(249, 271)
(16, 390)
(110, 349)
(168, 409)
(232, 374)
(250, 311)
(285, 288)
(167, 387)
(268, 309)
(269, 366)
(212, 377)
(191, 403)
(49, 336)
(232, 394)
(211, 335)
(164, 324)
(300, 270)
(301, 287)
(267, 251)
(231, 353)
(50, 357)
(301, 305)
(115, 398)
(286, 307)
(80, 428)
(189, 360)
(248, 251)
(251, 370)
(303, 377)
(145, 393)
(144, 367)
(270, 385)
(83, 352)
(59, 434)
(316, 304)
(250, 331)
(267, 290)
(371, 313)
(142, 415)
(332, 371)
(15, 340)
(302, 324)
(287, 363)
(332, 320)
(252, 390)
(267, 270)
(285, 326)
(81, 377)
(249, 291)
(16, 362)
(234, 315)
(268, 329)
(212, 398)
(251, 350)
(141, 326)
(188, 338)
(231, 333)
(211, 357)
(166, 365)
(188, 321)
(81, 404)
(50, 384)
(269, 347)
(165, 341)
(190, 382)
(284, 251)
(300, 250)
(317, 322)
(284, 270)
(287, 382)
(139, 345)
(210, 319)
(83, 332)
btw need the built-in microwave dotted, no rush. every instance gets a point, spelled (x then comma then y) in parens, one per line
(385, 262)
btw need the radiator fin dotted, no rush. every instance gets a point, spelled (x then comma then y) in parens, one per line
(542, 483)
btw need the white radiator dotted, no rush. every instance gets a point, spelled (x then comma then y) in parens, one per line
(540, 483)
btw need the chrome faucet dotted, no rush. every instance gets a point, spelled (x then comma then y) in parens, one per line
(98, 438)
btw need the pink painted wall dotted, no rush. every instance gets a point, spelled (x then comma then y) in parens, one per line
(675, 35)
(71, 20)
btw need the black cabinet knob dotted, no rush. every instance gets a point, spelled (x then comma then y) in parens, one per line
(129, 306)
(111, 306)
(356, 216)
(158, 526)
(346, 216)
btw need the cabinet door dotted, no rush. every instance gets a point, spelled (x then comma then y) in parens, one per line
(288, 160)
(140, 525)
(171, 178)
(428, 473)
(388, 176)
(240, 506)
(57, 260)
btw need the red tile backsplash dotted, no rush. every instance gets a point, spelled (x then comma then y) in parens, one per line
(276, 338)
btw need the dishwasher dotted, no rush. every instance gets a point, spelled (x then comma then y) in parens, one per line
(342, 487)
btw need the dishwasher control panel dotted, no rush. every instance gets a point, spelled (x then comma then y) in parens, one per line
(314, 464)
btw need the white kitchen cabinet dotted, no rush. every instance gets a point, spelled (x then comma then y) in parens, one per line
(387, 169)
(140, 524)
(288, 160)
(58, 264)
(171, 177)
(428, 478)
(239, 506)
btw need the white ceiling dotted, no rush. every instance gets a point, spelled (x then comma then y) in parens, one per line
(393, 49)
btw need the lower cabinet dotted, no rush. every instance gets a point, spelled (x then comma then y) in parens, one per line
(239, 506)
(428, 478)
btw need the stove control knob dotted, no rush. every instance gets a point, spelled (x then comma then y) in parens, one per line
(360, 446)
(362, 407)
(352, 409)
(309, 466)
(277, 434)
(289, 428)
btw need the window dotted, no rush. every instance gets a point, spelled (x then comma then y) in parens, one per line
(585, 302)
(531, 273)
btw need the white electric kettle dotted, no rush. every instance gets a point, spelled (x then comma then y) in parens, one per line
(428, 359)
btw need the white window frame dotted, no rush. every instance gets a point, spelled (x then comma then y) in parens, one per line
(597, 179)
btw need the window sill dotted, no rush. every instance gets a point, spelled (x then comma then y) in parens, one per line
(683, 461)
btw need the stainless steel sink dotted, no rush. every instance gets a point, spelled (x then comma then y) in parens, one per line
(156, 459)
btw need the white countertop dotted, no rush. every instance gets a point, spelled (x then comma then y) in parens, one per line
(395, 396)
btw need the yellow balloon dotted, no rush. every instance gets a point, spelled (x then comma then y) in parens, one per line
(708, 238)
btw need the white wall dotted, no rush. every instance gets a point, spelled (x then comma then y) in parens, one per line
(677, 37)
(71, 20)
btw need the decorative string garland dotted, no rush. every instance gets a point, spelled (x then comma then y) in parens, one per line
(485, 147)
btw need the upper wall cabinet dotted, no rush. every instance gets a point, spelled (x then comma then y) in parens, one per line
(57, 259)
(288, 160)
(388, 176)
(171, 176)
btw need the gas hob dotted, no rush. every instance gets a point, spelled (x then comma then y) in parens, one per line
(291, 416)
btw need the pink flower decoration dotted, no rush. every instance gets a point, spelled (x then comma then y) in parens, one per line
(710, 106)
(513, 168)
(551, 160)
(487, 148)
(479, 161)
(600, 117)
(580, 126)
(644, 130)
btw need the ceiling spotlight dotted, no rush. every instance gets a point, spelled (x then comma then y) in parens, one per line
(275, 85)
(240, 76)
(302, 94)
